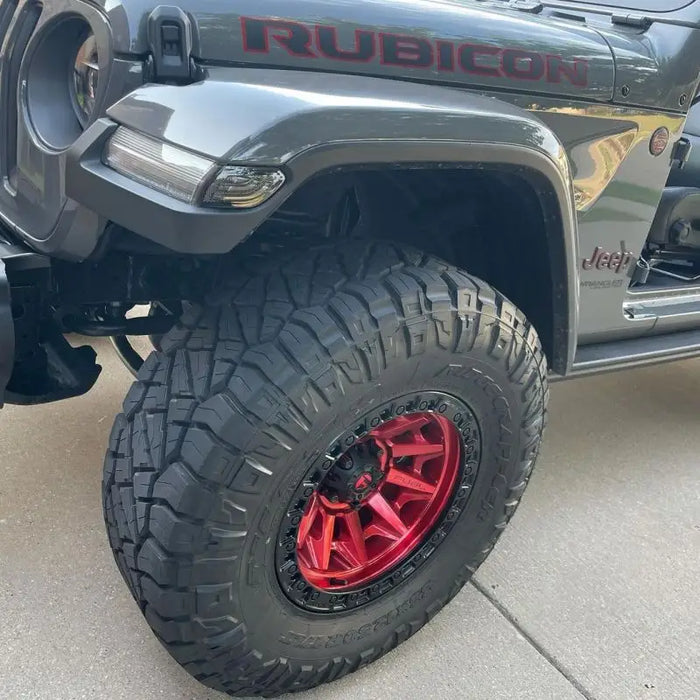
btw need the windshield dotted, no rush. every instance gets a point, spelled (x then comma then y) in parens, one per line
(643, 5)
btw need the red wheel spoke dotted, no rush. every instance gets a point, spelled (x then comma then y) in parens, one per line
(320, 549)
(386, 512)
(308, 520)
(406, 496)
(408, 481)
(381, 529)
(357, 537)
(399, 426)
(417, 449)
(327, 540)
(344, 551)
(417, 464)
(347, 551)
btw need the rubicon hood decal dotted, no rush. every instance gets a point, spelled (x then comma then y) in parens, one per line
(460, 43)
(321, 41)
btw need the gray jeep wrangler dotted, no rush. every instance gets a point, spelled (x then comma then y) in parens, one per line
(365, 235)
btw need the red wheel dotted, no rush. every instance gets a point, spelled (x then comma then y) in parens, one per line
(379, 502)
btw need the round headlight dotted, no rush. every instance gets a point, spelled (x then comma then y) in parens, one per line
(86, 73)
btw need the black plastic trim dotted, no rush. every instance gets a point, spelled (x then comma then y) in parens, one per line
(7, 333)
(7, 11)
(170, 61)
(14, 258)
(636, 352)
(24, 27)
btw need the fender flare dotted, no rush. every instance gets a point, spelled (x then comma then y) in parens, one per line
(307, 123)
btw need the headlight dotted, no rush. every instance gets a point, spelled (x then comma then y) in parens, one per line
(186, 176)
(158, 165)
(86, 73)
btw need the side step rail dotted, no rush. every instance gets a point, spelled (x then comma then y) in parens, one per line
(624, 354)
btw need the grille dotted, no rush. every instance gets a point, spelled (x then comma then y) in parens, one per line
(16, 26)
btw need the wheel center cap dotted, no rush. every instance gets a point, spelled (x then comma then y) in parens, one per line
(364, 481)
(355, 476)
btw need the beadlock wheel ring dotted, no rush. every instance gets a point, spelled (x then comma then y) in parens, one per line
(378, 502)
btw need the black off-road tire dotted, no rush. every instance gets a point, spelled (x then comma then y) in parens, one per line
(222, 424)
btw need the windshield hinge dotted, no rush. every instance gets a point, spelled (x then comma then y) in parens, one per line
(638, 21)
(532, 6)
(171, 43)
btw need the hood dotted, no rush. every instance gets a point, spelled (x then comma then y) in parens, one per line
(466, 43)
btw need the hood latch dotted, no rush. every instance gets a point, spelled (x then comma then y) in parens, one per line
(172, 41)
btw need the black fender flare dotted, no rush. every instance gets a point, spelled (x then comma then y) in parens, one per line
(306, 123)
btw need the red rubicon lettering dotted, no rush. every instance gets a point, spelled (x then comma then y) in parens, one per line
(473, 59)
(329, 46)
(407, 51)
(575, 72)
(446, 55)
(295, 38)
(522, 65)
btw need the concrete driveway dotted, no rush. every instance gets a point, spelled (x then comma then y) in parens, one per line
(594, 590)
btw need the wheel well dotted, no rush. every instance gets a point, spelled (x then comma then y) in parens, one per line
(499, 224)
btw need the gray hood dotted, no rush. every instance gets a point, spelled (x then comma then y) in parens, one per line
(470, 43)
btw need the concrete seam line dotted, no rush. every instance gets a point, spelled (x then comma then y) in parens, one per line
(568, 675)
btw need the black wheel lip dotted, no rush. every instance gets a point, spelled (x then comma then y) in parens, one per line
(311, 599)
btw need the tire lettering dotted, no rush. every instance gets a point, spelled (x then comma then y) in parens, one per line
(303, 641)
